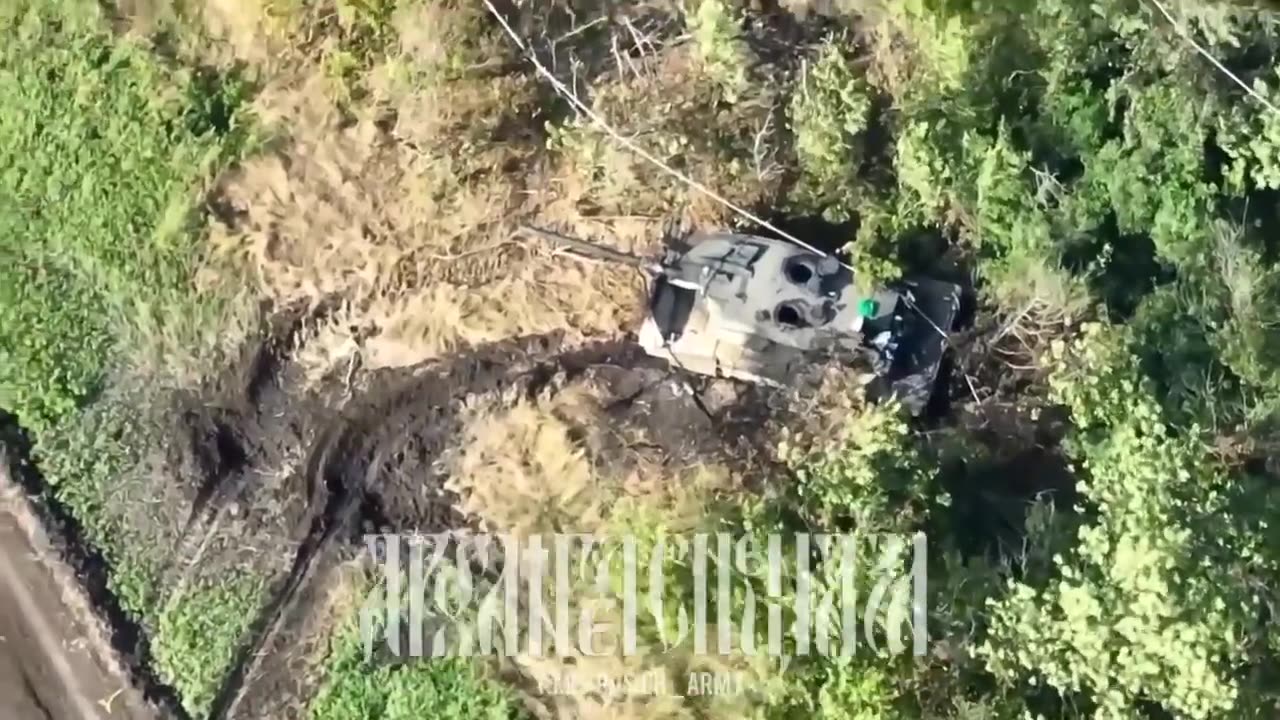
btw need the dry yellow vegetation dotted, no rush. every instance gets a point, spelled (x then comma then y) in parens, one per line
(399, 211)
(544, 465)
(520, 470)
(556, 463)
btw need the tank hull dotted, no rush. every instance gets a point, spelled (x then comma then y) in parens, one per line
(758, 310)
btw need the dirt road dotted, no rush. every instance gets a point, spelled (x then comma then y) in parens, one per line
(47, 669)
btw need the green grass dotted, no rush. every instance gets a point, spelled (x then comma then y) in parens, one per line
(200, 631)
(87, 460)
(103, 155)
(440, 688)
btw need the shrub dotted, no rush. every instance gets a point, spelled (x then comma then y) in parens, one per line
(869, 475)
(829, 113)
(724, 55)
(353, 686)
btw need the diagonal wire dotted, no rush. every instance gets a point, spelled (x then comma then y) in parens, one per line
(600, 122)
(603, 124)
(1186, 35)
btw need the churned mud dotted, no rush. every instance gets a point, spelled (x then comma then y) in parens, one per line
(380, 466)
(264, 474)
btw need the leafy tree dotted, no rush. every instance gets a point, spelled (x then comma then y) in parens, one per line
(1147, 607)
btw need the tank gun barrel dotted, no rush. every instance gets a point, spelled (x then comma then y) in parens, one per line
(590, 250)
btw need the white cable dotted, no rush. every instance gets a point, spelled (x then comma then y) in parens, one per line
(1186, 35)
(581, 107)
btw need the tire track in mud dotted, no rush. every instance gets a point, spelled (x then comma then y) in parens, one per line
(227, 439)
(351, 457)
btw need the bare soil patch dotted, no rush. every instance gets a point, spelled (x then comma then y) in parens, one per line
(53, 661)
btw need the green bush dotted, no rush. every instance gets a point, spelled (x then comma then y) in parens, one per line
(872, 474)
(1250, 135)
(1144, 608)
(829, 112)
(717, 32)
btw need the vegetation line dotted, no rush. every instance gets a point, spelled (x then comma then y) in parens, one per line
(128, 638)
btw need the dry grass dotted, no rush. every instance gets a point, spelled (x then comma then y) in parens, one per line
(401, 208)
(520, 470)
(389, 196)
(179, 345)
(674, 110)
(547, 465)
(255, 31)
(667, 699)
(422, 257)
(260, 34)
(557, 463)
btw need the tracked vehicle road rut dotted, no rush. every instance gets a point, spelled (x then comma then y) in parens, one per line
(378, 454)
(271, 477)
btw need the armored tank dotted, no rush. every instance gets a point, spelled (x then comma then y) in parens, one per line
(758, 309)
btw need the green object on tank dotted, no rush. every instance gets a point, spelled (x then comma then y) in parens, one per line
(868, 307)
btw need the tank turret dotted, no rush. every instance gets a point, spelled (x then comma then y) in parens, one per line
(758, 309)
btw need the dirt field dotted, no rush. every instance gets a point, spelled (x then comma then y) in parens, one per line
(48, 668)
